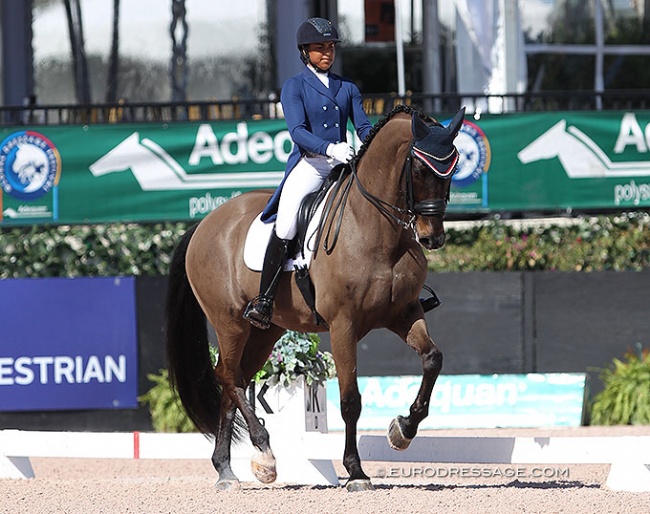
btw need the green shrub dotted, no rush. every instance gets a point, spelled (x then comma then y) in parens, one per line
(625, 400)
(588, 244)
(167, 413)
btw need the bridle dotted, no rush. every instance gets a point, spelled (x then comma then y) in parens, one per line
(428, 208)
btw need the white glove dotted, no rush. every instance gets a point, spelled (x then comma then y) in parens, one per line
(342, 152)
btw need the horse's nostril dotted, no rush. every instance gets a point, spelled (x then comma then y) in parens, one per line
(436, 242)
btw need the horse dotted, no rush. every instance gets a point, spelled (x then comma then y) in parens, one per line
(390, 205)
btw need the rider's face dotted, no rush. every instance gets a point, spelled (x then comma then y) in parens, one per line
(321, 55)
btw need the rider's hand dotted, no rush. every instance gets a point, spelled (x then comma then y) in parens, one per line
(342, 152)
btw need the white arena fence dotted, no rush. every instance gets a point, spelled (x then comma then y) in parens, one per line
(306, 458)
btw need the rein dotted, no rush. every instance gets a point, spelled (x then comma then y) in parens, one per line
(436, 207)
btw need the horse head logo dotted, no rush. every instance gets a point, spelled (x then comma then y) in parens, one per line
(579, 155)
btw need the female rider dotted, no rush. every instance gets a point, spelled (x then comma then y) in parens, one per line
(317, 105)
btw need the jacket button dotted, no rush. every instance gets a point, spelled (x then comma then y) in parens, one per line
(324, 107)
(325, 125)
(336, 125)
(336, 107)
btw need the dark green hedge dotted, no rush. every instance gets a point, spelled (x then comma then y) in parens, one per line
(585, 244)
(589, 244)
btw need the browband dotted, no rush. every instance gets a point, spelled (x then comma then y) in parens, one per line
(442, 167)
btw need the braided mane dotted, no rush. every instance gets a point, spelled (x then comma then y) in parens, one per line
(378, 126)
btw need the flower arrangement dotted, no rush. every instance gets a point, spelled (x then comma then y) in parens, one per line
(294, 355)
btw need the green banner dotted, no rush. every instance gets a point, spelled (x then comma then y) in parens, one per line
(136, 172)
(553, 161)
(181, 171)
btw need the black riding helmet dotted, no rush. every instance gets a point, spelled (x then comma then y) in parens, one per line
(315, 30)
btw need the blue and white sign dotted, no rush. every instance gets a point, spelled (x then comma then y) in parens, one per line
(469, 401)
(68, 344)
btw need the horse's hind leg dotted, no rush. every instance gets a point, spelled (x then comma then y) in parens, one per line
(221, 456)
(235, 370)
(403, 429)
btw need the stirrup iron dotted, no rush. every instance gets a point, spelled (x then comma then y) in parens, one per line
(259, 312)
(430, 303)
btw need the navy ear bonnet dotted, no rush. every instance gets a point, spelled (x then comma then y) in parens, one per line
(434, 144)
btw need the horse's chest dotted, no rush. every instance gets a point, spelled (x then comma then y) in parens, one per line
(408, 274)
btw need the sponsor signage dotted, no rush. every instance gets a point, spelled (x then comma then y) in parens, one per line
(182, 171)
(554, 161)
(469, 401)
(68, 344)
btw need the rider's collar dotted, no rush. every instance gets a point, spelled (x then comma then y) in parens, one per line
(317, 70)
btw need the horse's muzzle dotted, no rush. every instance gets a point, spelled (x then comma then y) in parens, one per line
(432, 242)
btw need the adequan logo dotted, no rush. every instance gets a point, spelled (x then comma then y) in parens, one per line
(30, 165)
(156, 170)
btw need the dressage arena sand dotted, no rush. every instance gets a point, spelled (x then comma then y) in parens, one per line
(89, 486)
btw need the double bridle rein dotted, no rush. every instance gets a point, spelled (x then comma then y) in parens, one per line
(433, 207)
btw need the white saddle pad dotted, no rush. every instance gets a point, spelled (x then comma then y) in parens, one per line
(258, 237)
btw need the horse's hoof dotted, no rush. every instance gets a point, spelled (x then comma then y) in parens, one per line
(263, 466)
(354, 486)
(227, 485)
(396, 438)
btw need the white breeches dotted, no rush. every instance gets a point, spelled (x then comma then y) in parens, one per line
(306, 177)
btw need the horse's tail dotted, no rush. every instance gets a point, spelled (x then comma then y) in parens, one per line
(188, 354)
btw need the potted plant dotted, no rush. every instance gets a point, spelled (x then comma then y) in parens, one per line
(289, 391)
(294, 375)
(296, 355)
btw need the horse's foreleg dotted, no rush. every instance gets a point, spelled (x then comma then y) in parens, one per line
(345, 358)
(403, 429)
(221, 456)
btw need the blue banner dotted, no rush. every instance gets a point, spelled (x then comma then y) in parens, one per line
(469, 401)
(68, 344)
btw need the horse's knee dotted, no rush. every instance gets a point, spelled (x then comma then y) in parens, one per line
(351, 406)
(432, 361)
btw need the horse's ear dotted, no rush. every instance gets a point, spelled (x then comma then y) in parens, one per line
(419, 127)
(456, 123)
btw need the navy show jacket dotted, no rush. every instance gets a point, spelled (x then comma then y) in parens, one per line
(317, 116)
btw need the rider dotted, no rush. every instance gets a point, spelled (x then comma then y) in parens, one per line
(317, 105)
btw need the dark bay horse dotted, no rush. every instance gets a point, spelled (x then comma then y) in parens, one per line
(371, 277)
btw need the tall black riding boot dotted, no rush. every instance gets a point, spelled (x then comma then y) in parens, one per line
(260, 309)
